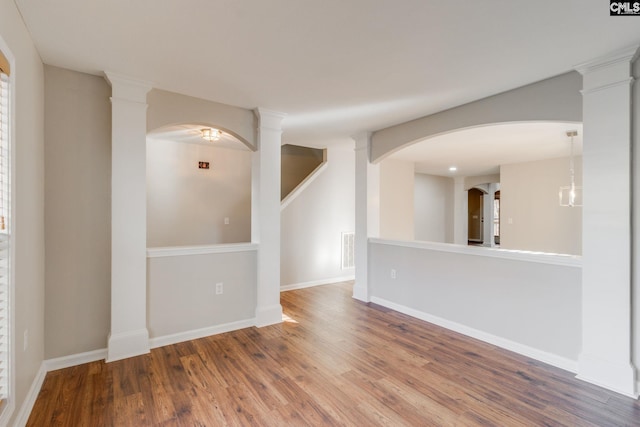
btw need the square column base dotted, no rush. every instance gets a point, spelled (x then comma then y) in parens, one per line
(127, 344)
(620, 378)
(266, 316)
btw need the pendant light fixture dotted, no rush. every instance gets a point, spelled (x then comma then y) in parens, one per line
(571, 195)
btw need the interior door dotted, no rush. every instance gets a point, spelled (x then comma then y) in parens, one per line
(475, 209)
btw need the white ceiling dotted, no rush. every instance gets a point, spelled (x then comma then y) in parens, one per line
(336, 67)
(481, 150)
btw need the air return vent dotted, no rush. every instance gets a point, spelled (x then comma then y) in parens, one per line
(348, 250)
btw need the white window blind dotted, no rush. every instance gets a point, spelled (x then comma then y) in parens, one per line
(4, 235)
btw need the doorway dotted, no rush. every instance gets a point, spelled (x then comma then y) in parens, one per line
(476, 217)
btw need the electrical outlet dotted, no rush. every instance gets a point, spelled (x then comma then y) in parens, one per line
(226, 220)
(393, 273)
(25, 341)
(219, 288)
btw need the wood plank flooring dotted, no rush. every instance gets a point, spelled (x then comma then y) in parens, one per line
(335, 361)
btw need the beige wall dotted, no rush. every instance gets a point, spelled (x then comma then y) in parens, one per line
(78, 212)
(28, 201)
(187, 205)
(296, 164)
(433, 207)
(168, 108)
(396, 200)
(531, 217)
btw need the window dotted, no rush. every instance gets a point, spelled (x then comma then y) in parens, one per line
(5, 232)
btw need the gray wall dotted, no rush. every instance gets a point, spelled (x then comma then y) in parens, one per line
(529, 303)
(77, 212)
(554, 99)
(181, 293)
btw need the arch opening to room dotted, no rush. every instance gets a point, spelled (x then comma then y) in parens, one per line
(425, 188)
(198, 186)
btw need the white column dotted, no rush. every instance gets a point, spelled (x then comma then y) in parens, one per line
(129, 336)
(367, 212)
(265, 205)
(460, 211)
(606, 273)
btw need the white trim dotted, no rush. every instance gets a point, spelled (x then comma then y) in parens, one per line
(627, 54)
(168, 251)
(269, 119)
(200, 333)
(312, 283)
(101, 354)
(126, 88)
(543, 356)
(127, 344)
(30, 399)
(539, 257)
(75, 359)
(304, 184)
(625, 82)
(617, 377)
(268, 315)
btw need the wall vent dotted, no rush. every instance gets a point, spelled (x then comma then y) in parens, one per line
(348, 250)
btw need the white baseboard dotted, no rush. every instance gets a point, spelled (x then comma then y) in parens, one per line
(534, 353)
(30, 399)
(101, 354)
(316, 283)
(127, 344)
(200, 333)
(75, 359)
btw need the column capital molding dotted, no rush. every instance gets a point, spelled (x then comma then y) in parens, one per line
(269, 119)
(622, 56)
(362, 140)
(128, 88)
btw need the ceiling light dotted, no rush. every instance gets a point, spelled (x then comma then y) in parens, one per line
(211, 134)
(453, 169)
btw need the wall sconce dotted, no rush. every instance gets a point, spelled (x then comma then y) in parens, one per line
(211, 134)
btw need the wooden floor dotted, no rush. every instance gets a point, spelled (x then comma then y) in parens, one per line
(336, 361)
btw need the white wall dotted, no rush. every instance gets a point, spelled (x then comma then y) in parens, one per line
(396, 199)
(187, 205)
(181, 294)
(28, 201)
(312, 223)
(531, 306)
(433, 208)
(531, 216)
